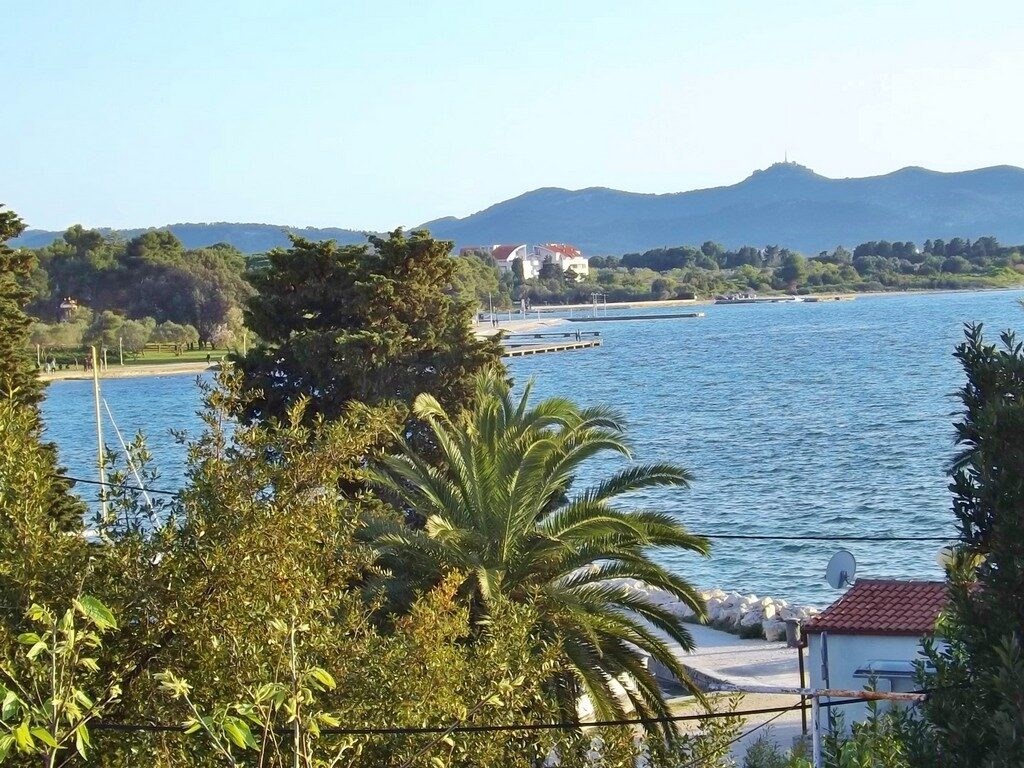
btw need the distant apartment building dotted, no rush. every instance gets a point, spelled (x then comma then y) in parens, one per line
(505, 257)
(565, 256)
(533, 258)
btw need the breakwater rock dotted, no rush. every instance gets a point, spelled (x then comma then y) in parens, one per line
(745, 615)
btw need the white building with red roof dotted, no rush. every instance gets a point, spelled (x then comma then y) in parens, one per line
(872, 635)
(505, 257)
(564, 255)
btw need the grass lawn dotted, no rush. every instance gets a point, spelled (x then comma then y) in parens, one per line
(167, 356)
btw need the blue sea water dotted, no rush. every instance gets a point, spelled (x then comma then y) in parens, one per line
(798, 419)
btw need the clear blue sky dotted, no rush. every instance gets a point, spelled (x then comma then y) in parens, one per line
(377, 114)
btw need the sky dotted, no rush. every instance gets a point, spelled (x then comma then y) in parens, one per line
(371, 115)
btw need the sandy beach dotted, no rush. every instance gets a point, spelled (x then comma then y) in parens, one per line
(131, 371)
(526, 325)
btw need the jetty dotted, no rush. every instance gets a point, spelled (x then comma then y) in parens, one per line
(744, 299)
(522, 344)
(616, 318)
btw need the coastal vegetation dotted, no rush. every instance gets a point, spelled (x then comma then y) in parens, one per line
(498, 508)
(132, 295)
(709, 270)
(402, 545)
(236, 624)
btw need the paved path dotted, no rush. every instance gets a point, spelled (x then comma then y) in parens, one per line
(724, 658)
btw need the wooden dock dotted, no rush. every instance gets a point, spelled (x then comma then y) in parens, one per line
(521, 350)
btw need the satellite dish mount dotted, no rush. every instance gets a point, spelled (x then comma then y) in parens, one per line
(841, 570)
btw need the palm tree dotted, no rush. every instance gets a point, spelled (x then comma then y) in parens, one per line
(498, 509)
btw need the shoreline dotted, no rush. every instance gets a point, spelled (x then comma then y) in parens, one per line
(132, 371)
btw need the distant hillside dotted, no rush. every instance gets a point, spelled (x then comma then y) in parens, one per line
(787, 204)
(248, 238)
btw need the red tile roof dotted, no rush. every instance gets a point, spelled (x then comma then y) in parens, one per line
(883, 607)
(562, 248)
(502, 252)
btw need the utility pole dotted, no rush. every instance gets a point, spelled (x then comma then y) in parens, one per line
(490, 307)
(101, 459)
(120, 349)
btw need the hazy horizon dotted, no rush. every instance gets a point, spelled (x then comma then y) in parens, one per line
(369, 118)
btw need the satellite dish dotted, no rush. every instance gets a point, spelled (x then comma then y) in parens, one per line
(841, 570)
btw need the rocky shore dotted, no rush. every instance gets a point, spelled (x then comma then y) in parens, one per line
(748, 615)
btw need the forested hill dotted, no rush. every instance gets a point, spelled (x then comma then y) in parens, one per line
(248, 238)
(786, 204)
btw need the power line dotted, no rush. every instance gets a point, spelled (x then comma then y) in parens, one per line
(721, 536)
(555, 726)
(775, 537)
(745, 734)
(122, 486)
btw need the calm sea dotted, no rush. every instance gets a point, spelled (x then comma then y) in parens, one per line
(810, 419)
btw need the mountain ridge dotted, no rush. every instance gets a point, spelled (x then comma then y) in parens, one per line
(786, 204)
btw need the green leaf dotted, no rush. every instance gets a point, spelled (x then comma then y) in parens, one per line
(96, 612)
(6, 742)
(44, 736)
(28, 638)
(82, 739)
(23, 738)
(323, 677)
(10, 706)
(36, 649)
(329, 720)
(238, 732)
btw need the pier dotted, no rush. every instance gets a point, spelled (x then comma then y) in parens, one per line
(672, 316)
(522, 344)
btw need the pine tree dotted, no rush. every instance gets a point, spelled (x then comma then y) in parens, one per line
(375, 324)
(18, 377)
(19, 380)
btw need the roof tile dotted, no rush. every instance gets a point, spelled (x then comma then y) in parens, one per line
(883, 607)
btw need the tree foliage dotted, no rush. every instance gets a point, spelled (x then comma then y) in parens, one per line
(20, 387)
(978, 706)
(498, 510)
(371, 323)
(17, 371)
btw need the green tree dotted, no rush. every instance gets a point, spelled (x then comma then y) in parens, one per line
(18, 376)
(793, 269)
(105, 330)
(135, 334)
(19, 380)
(978, 704)
(475, 279)
(362, 323)
(498, 510)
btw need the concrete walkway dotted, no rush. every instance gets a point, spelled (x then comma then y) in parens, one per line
(721, 658)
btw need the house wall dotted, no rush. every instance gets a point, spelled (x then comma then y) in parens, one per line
(847, 653)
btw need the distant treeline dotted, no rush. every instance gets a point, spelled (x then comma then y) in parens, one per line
(152, 288)
(687, 271)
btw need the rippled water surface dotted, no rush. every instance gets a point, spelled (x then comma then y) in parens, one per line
(819, 419)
